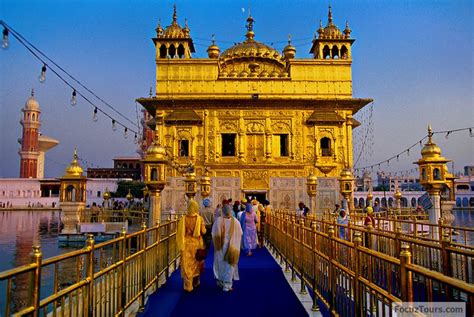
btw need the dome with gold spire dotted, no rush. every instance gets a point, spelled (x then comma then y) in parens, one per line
(331, 31)
(430, 150)
(251, 58)
(155, 150)
(213, 50)
(289, 51)
(74, 169)
(173, 31)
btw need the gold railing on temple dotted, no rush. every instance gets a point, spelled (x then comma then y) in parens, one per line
(357, 271)
(104, 279)
(111, 215)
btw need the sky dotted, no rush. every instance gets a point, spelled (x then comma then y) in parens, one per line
(414, 58)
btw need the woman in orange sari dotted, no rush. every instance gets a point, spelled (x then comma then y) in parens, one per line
(191, 227)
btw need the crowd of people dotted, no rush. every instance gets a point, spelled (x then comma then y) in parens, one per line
(231, 227)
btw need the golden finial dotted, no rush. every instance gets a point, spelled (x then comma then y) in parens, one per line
(213, 39)
(32, 92)
(289, 39)
(75, 154)
(330, 15)
(151, 92)
(430, 133)
(175, 16)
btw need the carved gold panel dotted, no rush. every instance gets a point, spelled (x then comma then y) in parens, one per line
(255, 179)
(255, 148)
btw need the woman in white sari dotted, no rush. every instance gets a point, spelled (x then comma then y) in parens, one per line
(226, 235)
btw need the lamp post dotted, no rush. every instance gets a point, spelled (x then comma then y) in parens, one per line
(155, 177)
(311, 189)
(345, 183)
(433, 172)
(190, 184)
(205, 184)
(106, 196)
(370, 198)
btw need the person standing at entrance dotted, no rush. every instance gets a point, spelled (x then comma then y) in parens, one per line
(207, 215)
(189, 239)
(248, 222)
(227, 236)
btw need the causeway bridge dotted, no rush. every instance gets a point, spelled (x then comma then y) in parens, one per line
(363, 275)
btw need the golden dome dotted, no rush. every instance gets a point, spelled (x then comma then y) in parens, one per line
(74, 169)
(346, 173)
(31, 103)
(173, 31)
(155, 150)
(289, 51)
(430, 149)
(250, 48)
(213, 50)
(331, 31)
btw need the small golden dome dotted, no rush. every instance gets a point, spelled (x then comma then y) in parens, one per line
(106, 194)
(289, 51)
(430, 149)
(398, 194)
(129, 196)
(74, 169)
(155, 150)
(213, 50)
(346, 173)
(331, 31)
(174, 31)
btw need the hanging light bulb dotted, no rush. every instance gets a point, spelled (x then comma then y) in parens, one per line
(74, 98)
(114, 127)
(42, 76)
(125, 133)
(94, 117)
(5, 38)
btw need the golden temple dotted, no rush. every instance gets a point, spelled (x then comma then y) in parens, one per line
(259, 120)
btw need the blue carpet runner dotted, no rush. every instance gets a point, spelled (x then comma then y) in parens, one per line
(261, 291)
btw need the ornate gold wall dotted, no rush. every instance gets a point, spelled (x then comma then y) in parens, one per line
(268, 100)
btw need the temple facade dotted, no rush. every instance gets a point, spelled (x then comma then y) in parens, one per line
(260, 121)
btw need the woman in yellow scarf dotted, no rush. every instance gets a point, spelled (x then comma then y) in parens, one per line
(191, 227)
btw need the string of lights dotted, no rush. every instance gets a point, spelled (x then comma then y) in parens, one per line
(407, 150)
(57, 70)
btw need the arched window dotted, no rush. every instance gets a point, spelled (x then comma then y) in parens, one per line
(423, 174)
(130, 166)
(390, 202)
(458, 202)
(70, 193)
(154, 174)
(181, 51)
(335, 52)
(163, 51)
(465, 202)
(361, 202)
(436, 174)
(326, 52)
(384, 202)
(413, 202)
(325, 147)
(33, 117)
(344, 52)
(172, 51)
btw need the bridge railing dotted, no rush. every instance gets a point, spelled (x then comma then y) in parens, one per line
(443, 255)
(110, 215)
(353, 276)
(104, 279)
